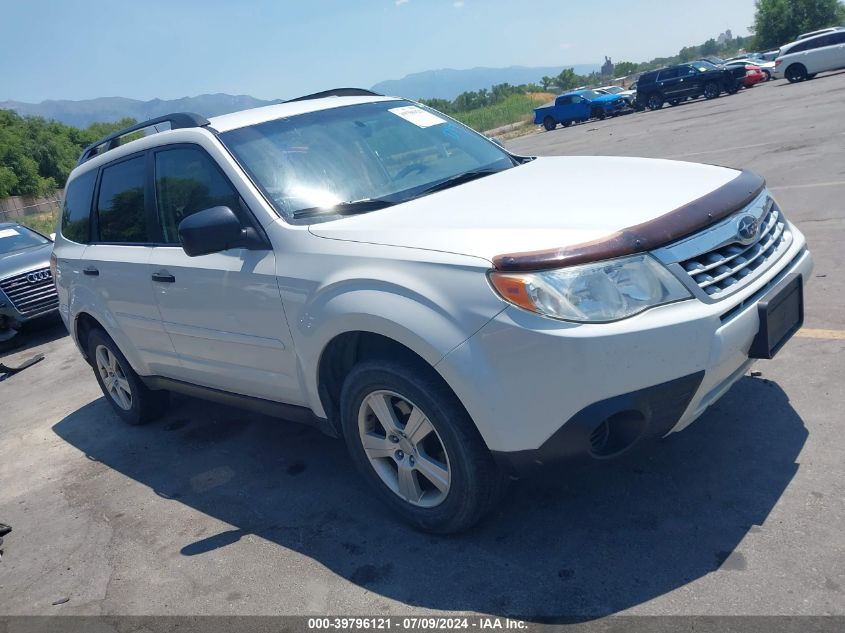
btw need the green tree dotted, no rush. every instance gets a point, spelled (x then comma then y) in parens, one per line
(709, 48)
(777, 22)
(626, 68)
(567, 79)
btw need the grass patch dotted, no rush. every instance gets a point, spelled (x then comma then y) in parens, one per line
(42, 222)
(511, 110)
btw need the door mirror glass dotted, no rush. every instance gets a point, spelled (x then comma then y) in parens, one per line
(210, 231)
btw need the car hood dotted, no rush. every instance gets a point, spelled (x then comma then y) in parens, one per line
(24, 260)
(547, 203)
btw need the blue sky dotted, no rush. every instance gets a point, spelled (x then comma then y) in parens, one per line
(78, 49)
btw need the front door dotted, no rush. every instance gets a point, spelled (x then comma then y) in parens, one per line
(223, 311)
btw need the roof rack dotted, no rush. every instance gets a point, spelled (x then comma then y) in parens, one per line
(177, 120)
(338, 92)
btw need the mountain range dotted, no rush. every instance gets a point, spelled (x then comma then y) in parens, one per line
(445, 83)
(84, 113)
(448, 83)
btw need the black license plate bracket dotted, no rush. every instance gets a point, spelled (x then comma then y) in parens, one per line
(781, 313)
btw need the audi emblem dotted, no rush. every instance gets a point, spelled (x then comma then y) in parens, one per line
(38, 275)
(746, 229)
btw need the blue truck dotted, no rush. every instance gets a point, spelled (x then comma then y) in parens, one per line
(579, 105)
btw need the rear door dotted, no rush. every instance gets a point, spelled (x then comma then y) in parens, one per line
(223, 311)
(115, 266)
(667, 81)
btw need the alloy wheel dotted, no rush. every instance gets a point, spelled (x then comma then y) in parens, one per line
(113, 377)
(404, 448)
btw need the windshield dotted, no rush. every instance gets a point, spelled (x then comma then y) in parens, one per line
(613, 90)
(15, 237)
(590, 95)
(703, 64)
(360, 158)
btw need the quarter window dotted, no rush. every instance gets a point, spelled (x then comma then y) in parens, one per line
(187, 181)
(76, 211)
(120, 204)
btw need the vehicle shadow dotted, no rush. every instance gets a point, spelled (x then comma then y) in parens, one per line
(37, 332)
(583, 542)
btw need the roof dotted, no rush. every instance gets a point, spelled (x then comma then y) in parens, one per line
(226, 122)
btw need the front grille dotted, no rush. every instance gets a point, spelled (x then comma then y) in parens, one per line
(31, 292)
(720, 271)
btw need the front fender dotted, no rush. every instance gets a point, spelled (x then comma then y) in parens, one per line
(428, 307)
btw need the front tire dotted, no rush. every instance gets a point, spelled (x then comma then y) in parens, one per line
(549, 123)
(413, 441)
(130, 398)
(567, 123)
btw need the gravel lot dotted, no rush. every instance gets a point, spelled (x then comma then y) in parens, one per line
(216, 511)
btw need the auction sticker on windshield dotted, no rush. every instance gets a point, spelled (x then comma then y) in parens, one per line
(417, 116)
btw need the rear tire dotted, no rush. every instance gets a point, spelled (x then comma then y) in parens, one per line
(549, 123)
(439, 476)
(796, 73)
(130, 398)
(655, 101)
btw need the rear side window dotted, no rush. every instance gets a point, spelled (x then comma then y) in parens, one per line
(76, 212)
(669, 73)
(837, 38)
(120, 205)
(187, 181)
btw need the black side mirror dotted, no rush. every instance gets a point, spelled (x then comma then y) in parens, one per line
(210, 231)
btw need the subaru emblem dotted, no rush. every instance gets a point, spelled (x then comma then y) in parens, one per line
(746, 229)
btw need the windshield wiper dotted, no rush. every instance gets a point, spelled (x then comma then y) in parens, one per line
(459, 179)
(352, 207)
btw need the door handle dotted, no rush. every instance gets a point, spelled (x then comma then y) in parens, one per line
(93, 272)
(164, 278)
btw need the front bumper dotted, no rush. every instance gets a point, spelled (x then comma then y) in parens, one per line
(539, 390)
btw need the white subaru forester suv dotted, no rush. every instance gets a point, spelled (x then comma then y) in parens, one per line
(459, 314)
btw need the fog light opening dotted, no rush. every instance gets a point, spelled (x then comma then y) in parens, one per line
(616, 434)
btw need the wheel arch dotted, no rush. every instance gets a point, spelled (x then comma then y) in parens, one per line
(347, 349)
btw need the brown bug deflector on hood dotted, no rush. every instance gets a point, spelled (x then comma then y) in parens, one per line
(683, 221)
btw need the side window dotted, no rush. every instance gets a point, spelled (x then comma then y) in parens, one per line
(837, 38)
(669, 73)
(564, 101)
(120, 205)
(803, 46)
(76, 211)
(187, 181)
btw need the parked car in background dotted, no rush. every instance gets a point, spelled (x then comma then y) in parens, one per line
(753, 73)
(805, 58)
(629, 95)
(576, 106)
(371, 267)
(766, 67)
(27, 290)
(675, 84)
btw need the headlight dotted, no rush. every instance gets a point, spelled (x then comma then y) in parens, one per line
(592, 293)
